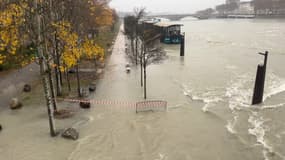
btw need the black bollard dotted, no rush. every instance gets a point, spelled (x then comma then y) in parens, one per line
(259, 82)
(182, 45)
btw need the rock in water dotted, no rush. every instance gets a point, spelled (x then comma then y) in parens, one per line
(92, 87)
(70, 133)
(72, 71)
(85, 104)
(27, 88)
(15, 104)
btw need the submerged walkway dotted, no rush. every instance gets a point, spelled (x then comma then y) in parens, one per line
(12, 83)
(116, 83)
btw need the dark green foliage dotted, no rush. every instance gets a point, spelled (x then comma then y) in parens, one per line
(130, 26)
(24, 55)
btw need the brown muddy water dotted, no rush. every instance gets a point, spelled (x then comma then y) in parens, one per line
(208, 92)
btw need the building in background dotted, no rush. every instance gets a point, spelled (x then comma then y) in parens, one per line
(232, 1)
(236, 7)
(249, 8)
(244, 8)
(269, 7)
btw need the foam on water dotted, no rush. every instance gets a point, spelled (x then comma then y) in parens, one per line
(273, 106)
(209, 102)
(238, 96)
(209, 98)
(275, 85)
(231, 125)
(240, 90)
(259, 130)
(238, 93)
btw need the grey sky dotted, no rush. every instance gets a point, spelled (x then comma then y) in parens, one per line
(172, 6)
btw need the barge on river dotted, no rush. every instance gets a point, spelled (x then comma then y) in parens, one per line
(170, 33)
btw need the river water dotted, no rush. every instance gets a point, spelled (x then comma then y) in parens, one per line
(209, 92)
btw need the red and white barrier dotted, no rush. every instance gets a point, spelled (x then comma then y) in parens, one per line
(154, 105)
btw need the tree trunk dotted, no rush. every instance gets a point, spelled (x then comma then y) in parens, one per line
(57, 69)
(60, 78)
(50, 79)
(54, 51)
(144, 67)
(45, 81)
(141, 62)
(57, 80)
(132, 46)
(68, 81)
(137, 42)
(78, 80)
(136, 56)
(57, 76)
(48, 98)
(95, 63)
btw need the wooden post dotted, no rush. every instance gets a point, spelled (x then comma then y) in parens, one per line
(182, 45)
(259, 82)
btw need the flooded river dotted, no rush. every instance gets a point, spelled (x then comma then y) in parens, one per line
(208, 92)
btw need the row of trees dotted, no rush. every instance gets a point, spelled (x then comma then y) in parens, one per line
(58, 32)
(143, 41)
(228, 7)
(205, 13)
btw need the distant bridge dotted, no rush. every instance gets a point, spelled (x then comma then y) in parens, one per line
(175, 17)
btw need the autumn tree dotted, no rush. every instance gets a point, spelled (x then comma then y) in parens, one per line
(85, 17)
(11, 38)
(57, 31)
(73, 50)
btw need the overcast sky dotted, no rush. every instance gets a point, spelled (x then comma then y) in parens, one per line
(171, 6)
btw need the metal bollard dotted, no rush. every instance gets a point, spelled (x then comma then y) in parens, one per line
(182, 45)
(260, 80)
